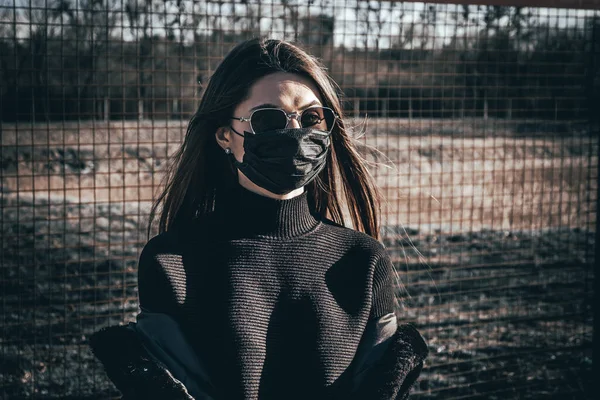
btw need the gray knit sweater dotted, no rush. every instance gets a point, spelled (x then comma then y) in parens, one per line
(273, 299)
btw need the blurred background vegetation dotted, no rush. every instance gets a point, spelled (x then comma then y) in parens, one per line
(148, 59)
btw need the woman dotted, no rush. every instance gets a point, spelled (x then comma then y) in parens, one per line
(254, 289)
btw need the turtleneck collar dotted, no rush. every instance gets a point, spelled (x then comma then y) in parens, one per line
(243, 213)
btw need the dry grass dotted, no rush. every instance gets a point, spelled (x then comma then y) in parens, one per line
(504, 184)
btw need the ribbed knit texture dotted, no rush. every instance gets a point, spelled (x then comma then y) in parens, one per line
(273, 299)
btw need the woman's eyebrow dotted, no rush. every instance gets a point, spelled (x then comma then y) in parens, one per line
(270, 105)
(315, 102)
(265, 105)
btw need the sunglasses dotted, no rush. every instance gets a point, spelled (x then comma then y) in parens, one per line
(266, 119)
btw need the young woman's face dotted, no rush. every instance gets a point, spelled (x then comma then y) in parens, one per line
(290, 92)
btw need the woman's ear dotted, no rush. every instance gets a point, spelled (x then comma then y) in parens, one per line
(223, 137)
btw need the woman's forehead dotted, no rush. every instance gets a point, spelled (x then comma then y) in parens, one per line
(284, 90)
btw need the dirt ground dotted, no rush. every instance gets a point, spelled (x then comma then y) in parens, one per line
(492, 238)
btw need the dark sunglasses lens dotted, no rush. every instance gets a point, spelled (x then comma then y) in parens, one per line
(318, 118)
(266, 120)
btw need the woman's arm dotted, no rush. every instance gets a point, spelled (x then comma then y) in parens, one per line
(136, 371)
(396, 370)
(133, 370)
(384, 298)
(390, 356)
(373, 345)
(155, 292)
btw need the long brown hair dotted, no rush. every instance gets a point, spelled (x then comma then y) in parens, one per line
(200, 170)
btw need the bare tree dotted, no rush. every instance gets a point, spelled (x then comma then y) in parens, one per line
(37, 25)
(138, 17)
(90, 25)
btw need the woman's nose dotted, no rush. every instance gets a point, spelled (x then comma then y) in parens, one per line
(294, 121)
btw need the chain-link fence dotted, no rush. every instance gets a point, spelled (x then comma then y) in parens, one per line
(483, 134)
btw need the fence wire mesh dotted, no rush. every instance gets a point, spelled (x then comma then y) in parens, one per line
(481, 129)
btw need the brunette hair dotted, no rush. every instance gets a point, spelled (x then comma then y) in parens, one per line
(200, 170)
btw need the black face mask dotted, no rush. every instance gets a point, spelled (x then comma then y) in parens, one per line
(285, 159)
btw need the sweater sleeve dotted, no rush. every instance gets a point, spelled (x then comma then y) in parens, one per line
(154, 288)
(394, 372)
(373, 344)
(383, 287)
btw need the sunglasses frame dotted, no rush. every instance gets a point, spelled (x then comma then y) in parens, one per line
(297, 116)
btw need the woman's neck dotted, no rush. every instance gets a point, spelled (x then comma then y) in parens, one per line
(242, 212)
(251, 186)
